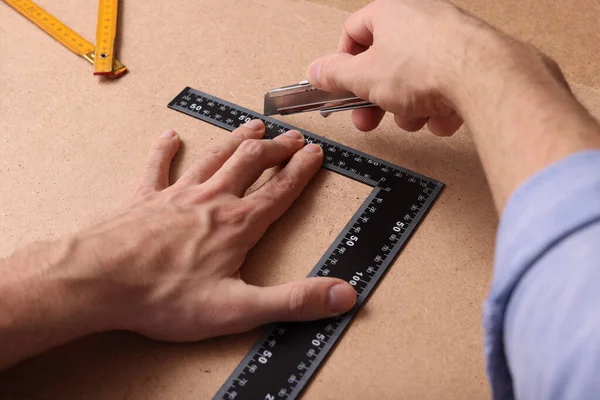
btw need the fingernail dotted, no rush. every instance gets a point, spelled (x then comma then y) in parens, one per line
(294, 134)
(255, 124)
(341, 298)
(314, 72)
(169, 133)
(312, 148)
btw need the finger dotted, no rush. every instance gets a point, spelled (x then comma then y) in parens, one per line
(367, 119)
(444, 126)
(341, 72)
(357, 35)
(304, 300)
(204, 168)
(275, 196)
(252, 158)
(155, 176)
(348, 45)
(410, 124)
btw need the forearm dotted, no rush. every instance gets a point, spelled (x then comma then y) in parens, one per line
(43, 300)
(540, 317)
(518, 108)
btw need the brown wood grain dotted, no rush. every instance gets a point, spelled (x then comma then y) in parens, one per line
(71, 147)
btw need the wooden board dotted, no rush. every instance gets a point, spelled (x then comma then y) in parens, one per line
(71, 146)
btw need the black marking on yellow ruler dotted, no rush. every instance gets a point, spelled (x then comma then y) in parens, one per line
(285, 358)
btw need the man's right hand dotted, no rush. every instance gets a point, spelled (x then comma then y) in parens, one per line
(402, 55)
(428, 62)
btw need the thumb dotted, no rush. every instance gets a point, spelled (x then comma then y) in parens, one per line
(307, 299)
(339, 72)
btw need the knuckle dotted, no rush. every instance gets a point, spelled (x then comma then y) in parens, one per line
(155, 164)
(363, 88)
(284, 183)
(209, 192)
(254, 148)
(244, 133)
(162, 145)
(217, 154)
(298, 301)
(235, 214)
(349, 25)
(140, 191)
(176, 197)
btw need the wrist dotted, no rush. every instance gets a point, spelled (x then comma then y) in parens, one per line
(43, 302)
(62, 276)
(490, 67)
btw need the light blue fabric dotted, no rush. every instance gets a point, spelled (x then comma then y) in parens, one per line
(542, 316)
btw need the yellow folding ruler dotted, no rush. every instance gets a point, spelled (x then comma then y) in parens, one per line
(102, 55)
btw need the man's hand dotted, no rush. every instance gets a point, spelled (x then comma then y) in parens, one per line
(167, 266)
(429, 62)
(396, 55)
(178, 249)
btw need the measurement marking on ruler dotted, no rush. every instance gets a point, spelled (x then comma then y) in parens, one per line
(283, 360)
(62, 33)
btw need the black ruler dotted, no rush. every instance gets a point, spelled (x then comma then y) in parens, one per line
(285, 358)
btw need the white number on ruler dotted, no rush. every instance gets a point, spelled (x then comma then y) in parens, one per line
(244, 118)
(356, 278)
(269, 397)
(398, 227)
(352, 241)
(196, 107)
(317, 341)
(265, 357)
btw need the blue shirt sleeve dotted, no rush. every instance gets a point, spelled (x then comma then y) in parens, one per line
(542, 315)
